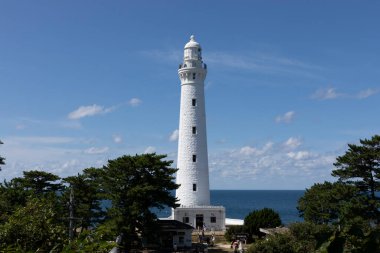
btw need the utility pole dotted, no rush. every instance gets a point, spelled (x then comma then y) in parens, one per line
(71, 214)
(71, 217)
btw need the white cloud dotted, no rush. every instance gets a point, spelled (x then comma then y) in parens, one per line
(266, 147)
(70, 163)
(300, 155)
(90, 110)
(285, 118)
(269, 167)
(221, 141)
(330, 93)
(31, 123)
(96, 151)
(247, 150)
(174, 135)
(149, 150)
(292, 142)
(266, 63)
(38, 140)
(324, 94)
(117, 138)
(29, 156)
(20, 126)
(367, 93)
(208, 84)
(134, 102)
(259, 62)
(174, 56)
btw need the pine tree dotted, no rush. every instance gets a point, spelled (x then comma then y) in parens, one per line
(135, 185)
(263, 218)
(1, 158)
(360, 166)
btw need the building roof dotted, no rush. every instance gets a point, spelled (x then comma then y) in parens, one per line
(173, 224)
(192, 43)
(272, 231)
(234, 222)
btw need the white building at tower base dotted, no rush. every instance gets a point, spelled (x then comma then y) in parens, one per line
(202, 217)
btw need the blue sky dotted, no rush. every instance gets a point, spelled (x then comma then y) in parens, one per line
(289, 84)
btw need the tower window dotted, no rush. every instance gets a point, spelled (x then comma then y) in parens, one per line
(194, 130)
(185, 219)
(213, 219)
(194, 187)
(193, 76)
(194, 102)
(194, 158)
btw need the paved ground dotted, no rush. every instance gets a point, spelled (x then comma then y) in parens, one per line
(216, 249)
(222, 248)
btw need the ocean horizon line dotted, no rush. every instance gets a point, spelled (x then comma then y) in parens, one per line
(257, 189)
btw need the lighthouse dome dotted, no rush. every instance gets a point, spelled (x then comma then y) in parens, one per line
(192, 43)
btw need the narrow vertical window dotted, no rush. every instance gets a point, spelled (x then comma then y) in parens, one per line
(193, 76)
(194, 187)
(194, 130)
(194, 158)
(194, 102)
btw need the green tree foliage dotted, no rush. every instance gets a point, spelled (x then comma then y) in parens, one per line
(34, 214)
(323, 203)
(94, 240)
(350, 206)
(135, 185)
(358, 237)
(231, 231)
(263, 218)
(2, 159)
(12, 196)
(303, 237)
(87, 197)
(37, 226)
(360, 166)
(281, 243)
(308, 236)
(40, 182)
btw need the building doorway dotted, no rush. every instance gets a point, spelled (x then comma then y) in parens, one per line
(199, 221)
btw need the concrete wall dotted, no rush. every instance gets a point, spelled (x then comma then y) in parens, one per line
(183, 238)
(218, 212)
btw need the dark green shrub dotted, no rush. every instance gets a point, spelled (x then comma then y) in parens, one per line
(233, 230)
(264, 218)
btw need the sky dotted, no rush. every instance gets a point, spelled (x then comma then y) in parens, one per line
(289, 84)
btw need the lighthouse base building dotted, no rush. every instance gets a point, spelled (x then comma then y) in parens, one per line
(202, 217)
(193, 175)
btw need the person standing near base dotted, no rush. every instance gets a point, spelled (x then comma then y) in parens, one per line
(241, 250)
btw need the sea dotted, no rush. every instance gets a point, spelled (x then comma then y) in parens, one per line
(239, 203)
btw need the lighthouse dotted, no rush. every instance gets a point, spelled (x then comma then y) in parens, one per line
(192, 163)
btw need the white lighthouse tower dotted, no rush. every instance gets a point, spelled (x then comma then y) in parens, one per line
(193, 175)
(192, 142)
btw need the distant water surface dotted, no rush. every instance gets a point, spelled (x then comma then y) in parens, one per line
(239, 203)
